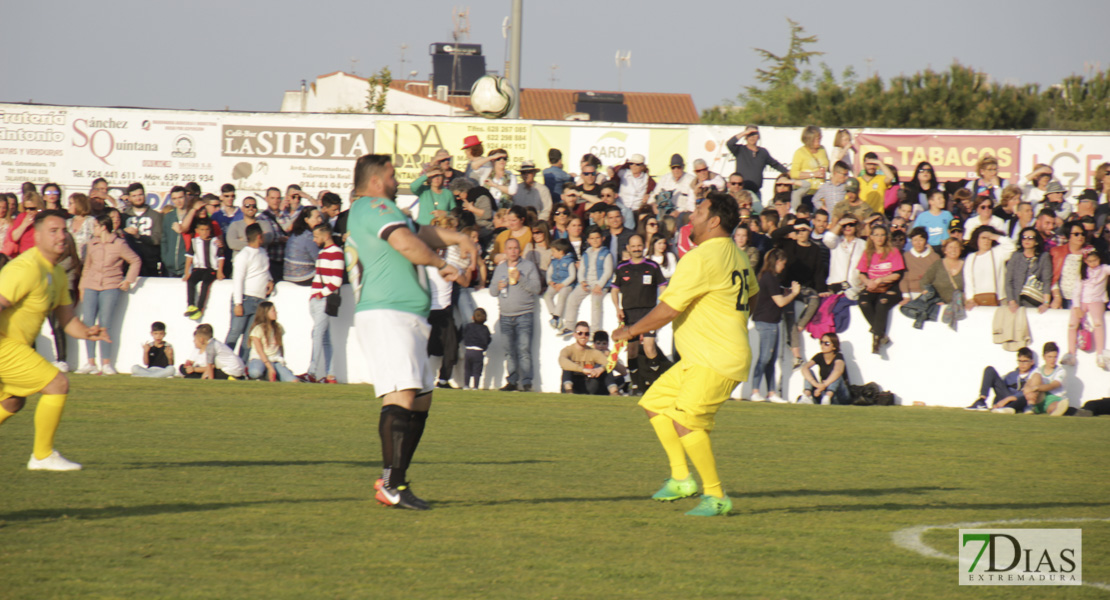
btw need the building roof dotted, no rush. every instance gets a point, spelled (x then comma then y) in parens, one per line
(555, 105)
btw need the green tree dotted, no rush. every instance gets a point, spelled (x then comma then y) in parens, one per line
(379, 86)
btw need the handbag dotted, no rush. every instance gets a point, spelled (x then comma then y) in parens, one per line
(332, 303)
(1033, 288)
(989, 298)
(1085, 336)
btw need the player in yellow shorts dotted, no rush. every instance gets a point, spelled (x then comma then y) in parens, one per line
(709, 299)
(31, 286)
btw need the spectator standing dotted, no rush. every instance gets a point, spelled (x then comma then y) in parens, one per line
(7, 215)
(873, 182)
(251, 284)
(98, 196)
(554, 177)
(766, 317)
(988, 182)
(157, 355)
(810, 165)
(851, 204)
(752, 159)
(323, 304)
(986, 266)
(516, 221)
(211, 358)
(500, 181)
(530, 194)
(832, 191)
(281, 220)
(635, 292)
(143, 226)
(595, 272)
(880, 267)
(476, 339)
(237, 230)
(477, 166)
(266, 337)
(516, 284)
(806, 265)
(300, 250)
(921, 187)
(228, 213)
(434, 200)
(561, 274)
(443, 340)
(661, 255)
(102, 282)
(21, 234)
(842, 150)
(635, 183)
(80, 224)
(203, 265)
(477, 202)
(173, 245)
(583, 367)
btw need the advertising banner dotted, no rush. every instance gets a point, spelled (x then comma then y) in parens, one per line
(413, 143)
(33, 144)
(1073, 158)
(952, 156)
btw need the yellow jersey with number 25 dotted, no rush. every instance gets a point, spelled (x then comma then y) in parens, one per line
(713, 287)
(35, 287)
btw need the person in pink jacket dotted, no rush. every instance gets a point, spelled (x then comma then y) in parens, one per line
(1091, 302)
(102, 282)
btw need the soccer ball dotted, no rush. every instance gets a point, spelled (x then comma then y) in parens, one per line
(492, 96)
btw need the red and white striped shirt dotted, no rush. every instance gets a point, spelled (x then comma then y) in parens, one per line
(329, 272)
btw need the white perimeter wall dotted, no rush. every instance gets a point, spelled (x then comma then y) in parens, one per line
(934, 365)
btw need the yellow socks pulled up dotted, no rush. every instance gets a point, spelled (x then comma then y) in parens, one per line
(47, 416)
(672, 445)
(696, 444)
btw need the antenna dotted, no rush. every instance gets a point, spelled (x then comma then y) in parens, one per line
(553, 77)
(623, 62)
(354, 66)
(403, 61)
(505, 29)
(461, 18)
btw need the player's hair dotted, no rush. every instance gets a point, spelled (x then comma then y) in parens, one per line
(331, 199)
(323, 227)
(227, 188)
(1050, 347)
(79, 203)
(1025, 352)
(157, 326)
(919, 232)
(271, 331)
(722, 206)
(134, 187)
(772, 258)
(554, 155)
(582, 324)
(203, 330)
(41, 217)
(480, 315)
(254, 231)
(562, 245)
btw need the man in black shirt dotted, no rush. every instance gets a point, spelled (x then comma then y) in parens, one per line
(618, 237)
(752, 158)
(635, 293)
(806, 264)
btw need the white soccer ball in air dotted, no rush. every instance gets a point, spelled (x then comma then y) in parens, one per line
(492, 96)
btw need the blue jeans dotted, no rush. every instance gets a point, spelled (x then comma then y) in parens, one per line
(99, 309)
(767, 355)
(239, 326)
(518, 347)
(839, 390)
(256, 369)
(157, 372)
(320, 365)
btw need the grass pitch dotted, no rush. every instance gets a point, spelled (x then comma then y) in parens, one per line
(196, 489)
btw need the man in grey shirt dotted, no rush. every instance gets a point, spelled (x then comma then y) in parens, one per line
(237, 231)
(516, 284)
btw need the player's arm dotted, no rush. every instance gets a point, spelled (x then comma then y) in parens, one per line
(436, 237)
(74, 327)
(659, 316)
(413, 248)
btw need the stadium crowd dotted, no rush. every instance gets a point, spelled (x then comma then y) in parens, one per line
(839, 230)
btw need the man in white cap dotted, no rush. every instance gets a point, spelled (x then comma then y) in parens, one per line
(675, 192)
(529, 193)
(705, 180)
(636, 184)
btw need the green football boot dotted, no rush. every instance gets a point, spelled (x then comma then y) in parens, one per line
(711, 506)
(675, 489)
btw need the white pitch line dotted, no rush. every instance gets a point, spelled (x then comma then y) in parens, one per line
(910, 538)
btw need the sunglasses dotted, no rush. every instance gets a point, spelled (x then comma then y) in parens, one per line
(926, 171)
(582, 333)
(250, 206)
(51, 194)
(826, 343)
(736, 183)
(560, 213)
(1028, 237)
(700, 170)
(782, 184)
(1078, 234)
(588, 173)
(501, 158)
(653, 224)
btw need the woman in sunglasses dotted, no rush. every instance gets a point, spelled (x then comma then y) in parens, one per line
(560, 218)
(831, 383)
(21, 236)
(1067, 259)
(1030, 261)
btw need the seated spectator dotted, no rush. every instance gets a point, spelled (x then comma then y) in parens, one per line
(618, 374)
(516, 228)
(845, 248)
(880, 269)
(211, 358)
(157, 355)
(102, 283)
(1029, 274)
(476, 206)
(1045, 393)
(831, 383)
(832, 191)
(986, 266)
(476, 339)
(266, 338)
(852, 204)
(540, 252)
(301, 250)
(984, 215)
(203, 265)
(675, 190)
(947, 274)
(500, 181)
(561, 275)
(1009, 391)
(935, 220)
(918, 260)
(583, 367)
(594, 277)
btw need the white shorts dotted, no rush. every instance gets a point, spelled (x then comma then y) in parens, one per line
(395, 346)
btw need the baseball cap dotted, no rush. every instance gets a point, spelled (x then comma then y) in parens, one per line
(1087, 195)
(956, 225)
(852, 185)
(676, 160)
(638, 159)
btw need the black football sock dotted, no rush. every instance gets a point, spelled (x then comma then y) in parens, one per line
(412, 437)
(392, 428)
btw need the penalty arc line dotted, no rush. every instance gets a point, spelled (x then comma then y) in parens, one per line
(910, 538)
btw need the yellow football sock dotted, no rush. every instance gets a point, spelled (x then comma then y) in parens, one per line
(4, 414)
(696, 444)
(672, 445)
(47, 415)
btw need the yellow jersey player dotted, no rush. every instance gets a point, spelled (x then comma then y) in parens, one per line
(31, 286)
(709, 299)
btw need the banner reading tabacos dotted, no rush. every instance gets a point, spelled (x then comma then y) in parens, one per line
(952, 156)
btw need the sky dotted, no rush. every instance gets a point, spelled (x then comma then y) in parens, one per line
(239, 55)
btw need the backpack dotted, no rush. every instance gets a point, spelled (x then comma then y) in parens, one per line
(871, 394)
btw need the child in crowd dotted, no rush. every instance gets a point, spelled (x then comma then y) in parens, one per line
(560, 280)
(266, 340)
(476, 339)
(203, 265)
(211, 359)
(594, 276)
(1045, 393)
(157, 355)
(1091, 302)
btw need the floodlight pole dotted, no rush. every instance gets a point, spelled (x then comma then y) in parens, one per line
(514, 57)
